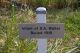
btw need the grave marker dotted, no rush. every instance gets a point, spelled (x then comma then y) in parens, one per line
(41, 30)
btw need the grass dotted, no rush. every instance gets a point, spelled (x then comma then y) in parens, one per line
(11, 43)
(72, 25)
